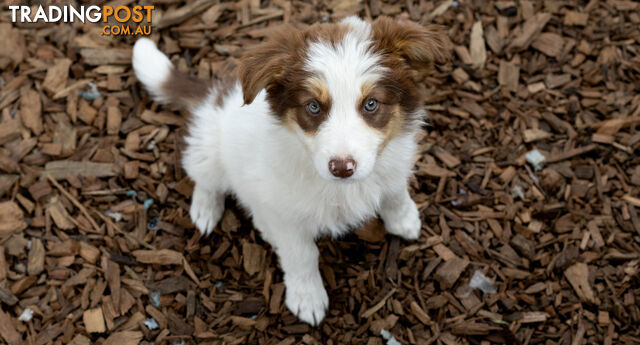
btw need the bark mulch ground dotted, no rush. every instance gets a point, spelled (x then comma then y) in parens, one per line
(528, 184)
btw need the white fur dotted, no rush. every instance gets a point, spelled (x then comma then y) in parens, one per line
(286, 186)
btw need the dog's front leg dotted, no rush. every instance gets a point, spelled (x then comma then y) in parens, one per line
(400, 215)
(298, 254)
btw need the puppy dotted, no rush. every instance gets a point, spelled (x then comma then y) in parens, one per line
(316, 135)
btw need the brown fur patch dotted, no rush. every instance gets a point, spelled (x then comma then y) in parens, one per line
(417, 46)
(330, 33)
(389, 119)
(273, 64)
(184, 90)
(313, 89)
(395, 125)
(226, 79)
(386, 102)
(307, 122)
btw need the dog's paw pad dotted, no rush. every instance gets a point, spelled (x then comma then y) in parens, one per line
(308, 302)
(205, 211)
(407, 226)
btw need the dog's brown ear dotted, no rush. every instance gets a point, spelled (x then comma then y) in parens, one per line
(418, 46)
(264, 65)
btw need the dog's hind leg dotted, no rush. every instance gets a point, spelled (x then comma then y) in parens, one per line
(167, 85)
(206, 210)
(207, 201)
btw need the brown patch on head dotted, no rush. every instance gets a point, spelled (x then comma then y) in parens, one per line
(380, 118)
(389, 119)
(313, 90)
(184, 90)
(226, 78)
(271, 64)
(410, 45)
(329, 33)
(394, 126)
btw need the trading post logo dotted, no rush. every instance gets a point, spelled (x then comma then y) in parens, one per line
(121, 15)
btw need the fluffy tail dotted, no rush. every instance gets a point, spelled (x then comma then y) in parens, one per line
(163, 81)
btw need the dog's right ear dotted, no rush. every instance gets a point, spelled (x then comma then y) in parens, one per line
(263, 66)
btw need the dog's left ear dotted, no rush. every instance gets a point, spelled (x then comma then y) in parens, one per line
(418, 46)
(263, 66)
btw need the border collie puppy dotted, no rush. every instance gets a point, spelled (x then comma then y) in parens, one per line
(316, 135)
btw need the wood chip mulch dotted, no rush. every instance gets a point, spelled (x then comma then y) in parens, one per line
(528, 183)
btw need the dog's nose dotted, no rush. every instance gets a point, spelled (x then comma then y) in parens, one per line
(342, 167)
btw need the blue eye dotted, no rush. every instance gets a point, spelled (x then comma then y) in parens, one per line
(370, 105)
(313, 108)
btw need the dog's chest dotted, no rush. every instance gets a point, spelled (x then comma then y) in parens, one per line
(339, 207)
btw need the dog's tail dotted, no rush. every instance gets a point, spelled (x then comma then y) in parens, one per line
(163, 81)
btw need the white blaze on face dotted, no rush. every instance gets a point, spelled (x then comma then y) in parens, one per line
(344, 68)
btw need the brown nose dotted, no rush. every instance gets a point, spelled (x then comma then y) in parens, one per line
(342, 167)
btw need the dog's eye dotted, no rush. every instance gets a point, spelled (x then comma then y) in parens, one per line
(371, 105)
(313, 108)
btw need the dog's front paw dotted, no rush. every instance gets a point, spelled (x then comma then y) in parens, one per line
(405, 224)
(307, 300)
(206, 210)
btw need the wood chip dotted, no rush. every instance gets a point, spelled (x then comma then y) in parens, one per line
(578, 276)
(530, 29)
(449, 272)
(534, 317)
(8, 330)
(31, 110)
(35, 261)
(62, 169)
(59, 214)
(531, 135)
(477, 48)
(11, 219)
(508, 75)
(183, 13)
(159, 257)
(549, 43)
(576, 18)
(371, 231)
(419, 313)
(57, 76)
(94, 321)
(253, 257)
(124, 338)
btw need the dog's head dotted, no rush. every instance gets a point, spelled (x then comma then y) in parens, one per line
(345, 89)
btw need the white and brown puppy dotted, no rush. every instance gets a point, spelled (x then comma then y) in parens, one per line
(316, 136)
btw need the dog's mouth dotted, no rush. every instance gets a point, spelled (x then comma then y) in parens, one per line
(348, 180)
(356, 177)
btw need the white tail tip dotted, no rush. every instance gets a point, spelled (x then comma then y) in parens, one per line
(151, 67)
